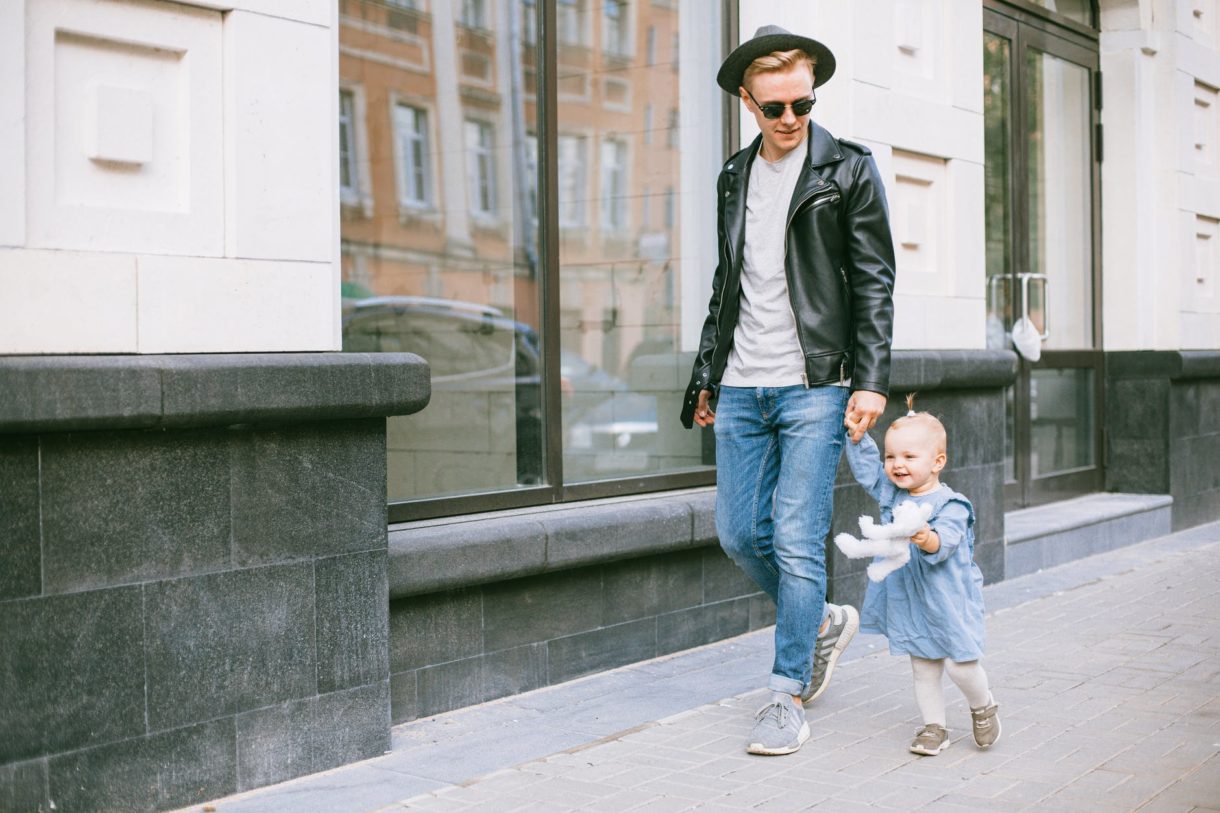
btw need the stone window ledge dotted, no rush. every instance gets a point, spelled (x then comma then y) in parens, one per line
(71, 393)
(445, 554)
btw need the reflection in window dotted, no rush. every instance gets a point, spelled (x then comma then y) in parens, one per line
(531, 175)
(454, 280)
(997, 209)
(615, 29)
(570, 21)
(349, 186)
(1061, 421)
(634, 283)
(1059, 208)
(480, 147)
(415, 185)
(529, 21)
(443, 261)
(474, 13)
(572, 190)
(614, 185)
(1080, 11)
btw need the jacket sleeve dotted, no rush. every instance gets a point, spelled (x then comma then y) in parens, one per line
(701, 374)
(870, 254)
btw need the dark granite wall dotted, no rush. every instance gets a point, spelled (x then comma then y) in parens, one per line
(160, 631)
(461, 647)
(1163, 429)
(191, 605)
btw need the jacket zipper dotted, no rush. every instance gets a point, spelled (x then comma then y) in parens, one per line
(728, 260)
(843, 362)
(795, 323)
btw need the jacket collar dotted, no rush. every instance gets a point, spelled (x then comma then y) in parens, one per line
(821, 148)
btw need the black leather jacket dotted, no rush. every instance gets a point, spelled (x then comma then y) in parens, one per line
(839, 262)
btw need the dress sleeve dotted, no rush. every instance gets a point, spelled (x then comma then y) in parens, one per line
(865, 462)
(950, 523)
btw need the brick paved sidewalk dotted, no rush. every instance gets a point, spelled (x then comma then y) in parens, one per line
(1109, 693)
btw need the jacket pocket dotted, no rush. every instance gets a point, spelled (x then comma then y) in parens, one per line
(829, 368)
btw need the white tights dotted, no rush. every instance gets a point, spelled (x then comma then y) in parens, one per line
(929, 691)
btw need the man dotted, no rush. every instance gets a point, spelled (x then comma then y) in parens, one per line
(796, 346)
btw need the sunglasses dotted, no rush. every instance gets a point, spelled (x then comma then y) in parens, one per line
(773, 110)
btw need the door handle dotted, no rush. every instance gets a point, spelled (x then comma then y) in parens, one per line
(1026, 279)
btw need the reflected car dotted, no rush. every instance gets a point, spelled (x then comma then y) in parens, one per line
(472, 349)
(612, 428)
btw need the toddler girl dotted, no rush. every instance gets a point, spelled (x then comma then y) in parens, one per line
(932, 607)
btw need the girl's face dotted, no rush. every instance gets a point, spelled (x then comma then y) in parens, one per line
(912, 459)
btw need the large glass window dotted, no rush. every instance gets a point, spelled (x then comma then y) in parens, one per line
(559, 325)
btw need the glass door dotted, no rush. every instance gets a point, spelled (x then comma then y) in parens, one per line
(1040, 107)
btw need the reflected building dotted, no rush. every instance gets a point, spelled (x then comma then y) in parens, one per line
(440, 232)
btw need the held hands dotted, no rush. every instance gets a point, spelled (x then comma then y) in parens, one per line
(704, 416)
(863, 409)
(926, 539)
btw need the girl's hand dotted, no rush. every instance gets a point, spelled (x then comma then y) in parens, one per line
(927, 540)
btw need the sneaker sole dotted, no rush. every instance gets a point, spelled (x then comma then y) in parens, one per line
(849, 631)
(928, 752)
(761, 750)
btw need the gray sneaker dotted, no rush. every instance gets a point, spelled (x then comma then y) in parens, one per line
(844, 621)
(930, 740)
(780, 727)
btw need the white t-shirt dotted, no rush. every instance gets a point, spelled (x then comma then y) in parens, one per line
(766, 351)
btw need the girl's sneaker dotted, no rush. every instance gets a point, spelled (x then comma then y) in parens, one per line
(930, 740)
(986, 725)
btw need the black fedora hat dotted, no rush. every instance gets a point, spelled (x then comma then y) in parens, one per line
(766, 40)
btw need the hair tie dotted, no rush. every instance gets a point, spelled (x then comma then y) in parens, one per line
(910, 413)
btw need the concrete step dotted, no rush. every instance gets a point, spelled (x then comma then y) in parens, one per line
(1052, 534)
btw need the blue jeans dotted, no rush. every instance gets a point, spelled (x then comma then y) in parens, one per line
(777, 451)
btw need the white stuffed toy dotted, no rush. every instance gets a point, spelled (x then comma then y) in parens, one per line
(891, 542)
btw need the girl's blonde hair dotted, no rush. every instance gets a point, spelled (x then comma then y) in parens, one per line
(930, 423)
(778, 61)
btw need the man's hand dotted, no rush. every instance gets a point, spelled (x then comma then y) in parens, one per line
(863, 410)
(703, 413)
(927, 540)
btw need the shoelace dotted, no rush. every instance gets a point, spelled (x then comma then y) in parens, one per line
(782, 713)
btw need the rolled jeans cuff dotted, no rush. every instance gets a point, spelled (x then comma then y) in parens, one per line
(779, 683)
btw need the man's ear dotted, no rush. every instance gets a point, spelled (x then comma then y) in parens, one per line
(745, 97)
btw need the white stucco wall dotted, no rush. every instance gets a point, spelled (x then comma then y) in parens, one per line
(167, 176)
(908, 84)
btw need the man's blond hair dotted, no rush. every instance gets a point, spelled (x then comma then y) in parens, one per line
(778, 61)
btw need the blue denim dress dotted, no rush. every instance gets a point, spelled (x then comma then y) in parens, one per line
(932, 606)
